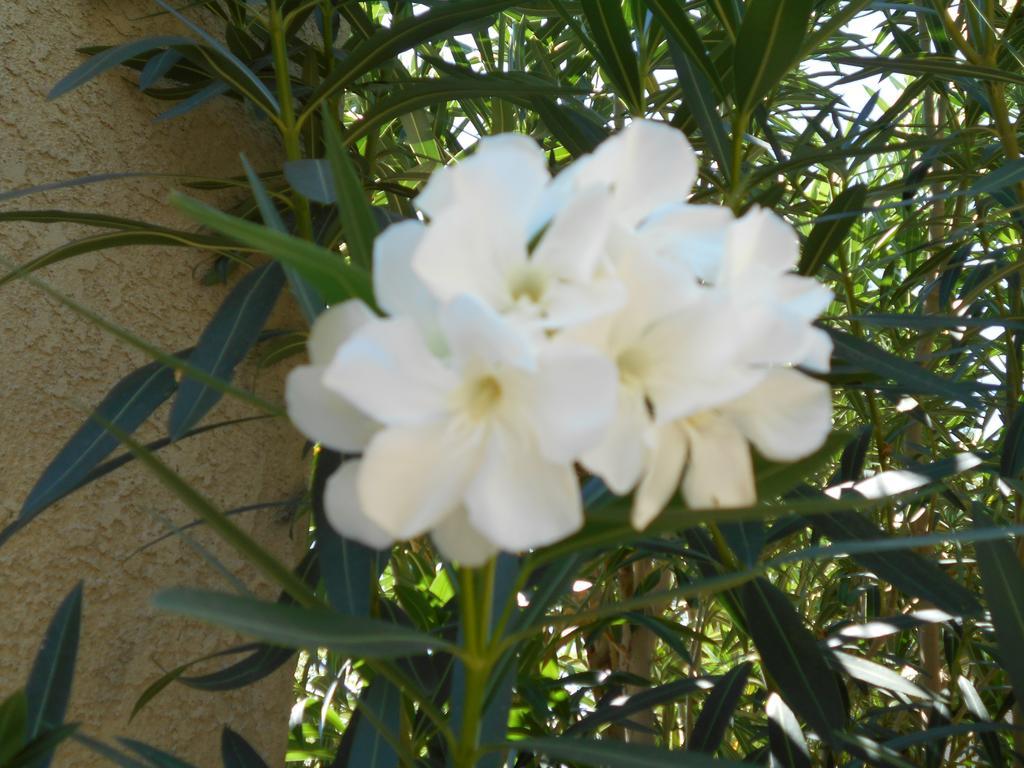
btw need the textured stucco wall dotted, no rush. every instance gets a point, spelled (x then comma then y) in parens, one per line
(54, 365)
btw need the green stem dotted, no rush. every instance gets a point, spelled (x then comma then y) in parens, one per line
(739, 129)
(290, 129)
(476, 605)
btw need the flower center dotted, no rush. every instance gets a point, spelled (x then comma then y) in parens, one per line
(482, 396)
(632, 368)
(528, 283)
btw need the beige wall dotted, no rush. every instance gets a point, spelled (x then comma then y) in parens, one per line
(54, 365)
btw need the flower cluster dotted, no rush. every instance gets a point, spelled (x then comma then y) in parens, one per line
(537, 324)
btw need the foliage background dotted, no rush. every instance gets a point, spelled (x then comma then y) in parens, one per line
(909, 204)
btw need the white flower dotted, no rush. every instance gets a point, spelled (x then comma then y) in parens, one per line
(495, 234)
(493, 428)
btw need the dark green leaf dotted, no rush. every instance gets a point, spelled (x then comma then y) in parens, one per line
(621, 708)
(225, 341)
(39, 751)
(718, 709)
(832, 228)
(378, 727)
(680, 30)
(769, 41)
(333, 279)
(612, 754)
(930, 64)
(614, 50)
(792, 656)
(699, 101)
(357, 223)
(13, 721)
(305, 294)
(131, 401)
(1011, 461)
(908, 376)
(236, 752)
(785, 739)
(1002, 580)
(110, 58)
(296, 627)
(401, 36)
(49, 683)
(908, 571)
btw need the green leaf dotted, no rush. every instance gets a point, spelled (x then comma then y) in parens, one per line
(105, 240)
(379, 726)
(775, 479)
(327, 272)
(785, 739)
(110, 58)
(1002, 580)
(405, 97)
(908, 376)
(792, 656)
(701, 104)
(613, 754)
(157, 758)
(236, 752)
(614, 51)
(131, 401)
(832, 228)
(680, 30)
(350, 569)
(49, 683)
(622, 708)
(1011, 460)
(718, 709)
(401, 36)
(39, 751)
(292, 626)
(357, 223)
(218, 521)
(768, 44)
(13, 725)
(908, 571)
(930, 64)
(877, 676)
(225, 341)
(305, 294)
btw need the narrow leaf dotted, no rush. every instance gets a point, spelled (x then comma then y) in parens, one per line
(718, 709)
(236, 752)
(49, 683)
(614, 50)
(300, 627)
(792, 656)
(785, 739)
(13, 725)
(357, 222)
(1002, 580)
(225, 341)
(768, 44)
(832, 228)
(612, 754)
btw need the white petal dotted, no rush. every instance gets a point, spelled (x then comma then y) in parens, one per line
(479, 336)
(344, 512)
(571, 400)
(459, 542)
(412, 478)
(507, 173)
(650, 165)
(518, 500)
(758, 245)
(719, 472)
(323, 415)
(333, 327)
(573, 243)
(693, 235)
(619, 456)
(397, 288)
(819, 355)
(386, 371)
(787, 416)
(462, 253)
(568, 304)
(661, 480)
(656, 288)
(690, 361)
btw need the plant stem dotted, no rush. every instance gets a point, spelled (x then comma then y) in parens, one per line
(476, 605)
(289, 127)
